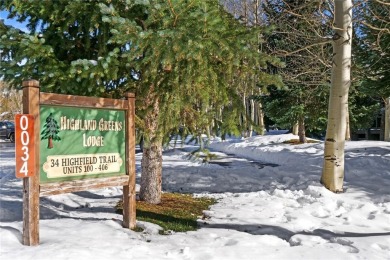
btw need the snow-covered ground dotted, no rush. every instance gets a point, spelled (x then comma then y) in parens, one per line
(270, 206)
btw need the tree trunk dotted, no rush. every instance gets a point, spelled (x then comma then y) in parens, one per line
(382, 125)
(333, 169)
(151, 166)
(261, 118)
(348, 127)
(252, 107)
(243, 117)
(387, 120)
(295, 129)
(301, 130)
(151, 163)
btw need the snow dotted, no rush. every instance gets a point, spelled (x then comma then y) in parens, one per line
(270, 206)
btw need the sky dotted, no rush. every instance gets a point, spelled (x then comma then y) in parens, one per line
(12, 22)
(270, 205)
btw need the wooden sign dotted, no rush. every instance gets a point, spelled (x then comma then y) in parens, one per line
(79, 143)
(24, 146)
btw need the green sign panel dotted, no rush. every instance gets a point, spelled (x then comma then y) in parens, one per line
(79, 143)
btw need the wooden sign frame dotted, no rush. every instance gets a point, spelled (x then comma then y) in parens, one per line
(33, 189)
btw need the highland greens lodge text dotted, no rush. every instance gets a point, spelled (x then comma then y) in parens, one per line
(82, 124)
(90, 125)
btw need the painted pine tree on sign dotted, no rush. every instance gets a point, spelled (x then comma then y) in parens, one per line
(50, 131)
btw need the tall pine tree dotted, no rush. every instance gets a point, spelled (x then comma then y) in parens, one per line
(181, 58)
(373, 56)
(200, 51)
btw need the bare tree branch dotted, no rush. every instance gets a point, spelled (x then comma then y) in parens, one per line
(376, 28)
(383, 3)
(285, 53)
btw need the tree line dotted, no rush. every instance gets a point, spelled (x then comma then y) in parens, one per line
(207, 67)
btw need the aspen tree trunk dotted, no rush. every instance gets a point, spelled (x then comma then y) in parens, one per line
(256, 113)
(256, 108)
(387, 120)
(382, 125)
(295, 129)
(252, 102)
(261, 118)
(348, 127)
(243, 115)
(333, 168)
(151, 163)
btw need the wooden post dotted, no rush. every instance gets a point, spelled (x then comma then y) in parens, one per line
(129, 193)
(31, 184)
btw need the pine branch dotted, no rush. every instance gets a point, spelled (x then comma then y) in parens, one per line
(173, 12)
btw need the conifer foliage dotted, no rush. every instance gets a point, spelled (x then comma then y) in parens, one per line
(180, 57)
(67, 47)
(187, 55)
(372, 57)
(373, 54)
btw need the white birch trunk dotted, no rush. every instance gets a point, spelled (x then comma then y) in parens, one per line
(252, 102)
(295, 129)
(333, 168)
(261, 118)
(348, 128)
(243, 117)
(387, 120)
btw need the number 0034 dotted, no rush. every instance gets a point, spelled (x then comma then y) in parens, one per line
(24, 145)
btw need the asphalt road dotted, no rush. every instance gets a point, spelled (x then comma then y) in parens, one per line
(7, 150)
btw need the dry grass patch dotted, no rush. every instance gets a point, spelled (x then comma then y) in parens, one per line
(176, 212)
(296, 141)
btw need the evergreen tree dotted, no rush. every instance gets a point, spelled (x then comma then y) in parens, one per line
(373, 58)
(364, 108)
(181, 58)
(67, 48)
(251, 14)
(305, 106)
(200, 51)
